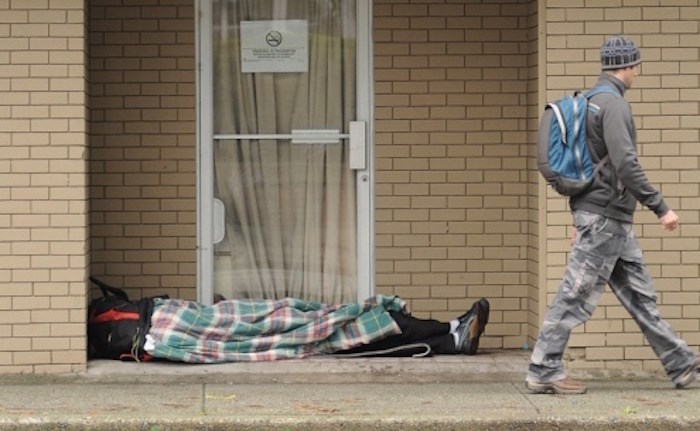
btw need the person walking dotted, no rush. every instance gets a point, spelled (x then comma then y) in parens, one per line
(605, 249)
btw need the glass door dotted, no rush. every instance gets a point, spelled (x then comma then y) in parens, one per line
(283, 150)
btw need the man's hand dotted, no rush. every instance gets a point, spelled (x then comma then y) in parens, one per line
(669, 220)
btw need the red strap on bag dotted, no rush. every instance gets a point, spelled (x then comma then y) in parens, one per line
(114, 315)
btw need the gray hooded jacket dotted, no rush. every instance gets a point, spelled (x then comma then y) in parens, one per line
(621, 182)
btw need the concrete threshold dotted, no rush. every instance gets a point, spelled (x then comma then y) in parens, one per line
(502, 365)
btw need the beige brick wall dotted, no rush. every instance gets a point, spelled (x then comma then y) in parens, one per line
(536, 216)
(459, 86)
(44, 249)
(142, 140)
(666, 104)
(452, 195)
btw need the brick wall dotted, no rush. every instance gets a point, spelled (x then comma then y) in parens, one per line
(143, 145)
(44, 248)
(459, 213)
(451, 150)
(536, 231)
(666, 103)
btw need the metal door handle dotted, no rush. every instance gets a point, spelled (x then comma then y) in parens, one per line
(219, 222)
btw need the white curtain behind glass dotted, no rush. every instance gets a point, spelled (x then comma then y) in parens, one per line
(290, 208)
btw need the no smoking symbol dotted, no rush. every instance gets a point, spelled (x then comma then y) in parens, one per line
(273, 38)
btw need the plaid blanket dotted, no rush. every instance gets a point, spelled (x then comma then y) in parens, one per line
(266, 330)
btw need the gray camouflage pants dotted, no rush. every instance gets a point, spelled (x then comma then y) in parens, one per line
(605, 252)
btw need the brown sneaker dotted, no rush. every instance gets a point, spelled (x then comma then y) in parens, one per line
(566, 386)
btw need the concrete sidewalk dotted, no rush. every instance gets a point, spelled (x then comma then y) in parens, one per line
(440, 393)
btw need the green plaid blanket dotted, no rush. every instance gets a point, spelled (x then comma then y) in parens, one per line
(266, 330)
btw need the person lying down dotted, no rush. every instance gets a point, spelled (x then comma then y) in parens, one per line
(267, 330)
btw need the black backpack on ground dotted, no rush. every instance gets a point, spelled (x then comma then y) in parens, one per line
(117, 326)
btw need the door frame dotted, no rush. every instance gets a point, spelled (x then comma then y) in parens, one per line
(205, 152)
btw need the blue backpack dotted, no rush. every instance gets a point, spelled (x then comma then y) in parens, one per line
(563, 154)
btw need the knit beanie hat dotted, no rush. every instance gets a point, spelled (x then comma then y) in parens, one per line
(619, 52)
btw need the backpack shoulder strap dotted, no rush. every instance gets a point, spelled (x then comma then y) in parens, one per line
(599, 89)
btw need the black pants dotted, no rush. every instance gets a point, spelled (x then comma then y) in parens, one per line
(434, 333)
